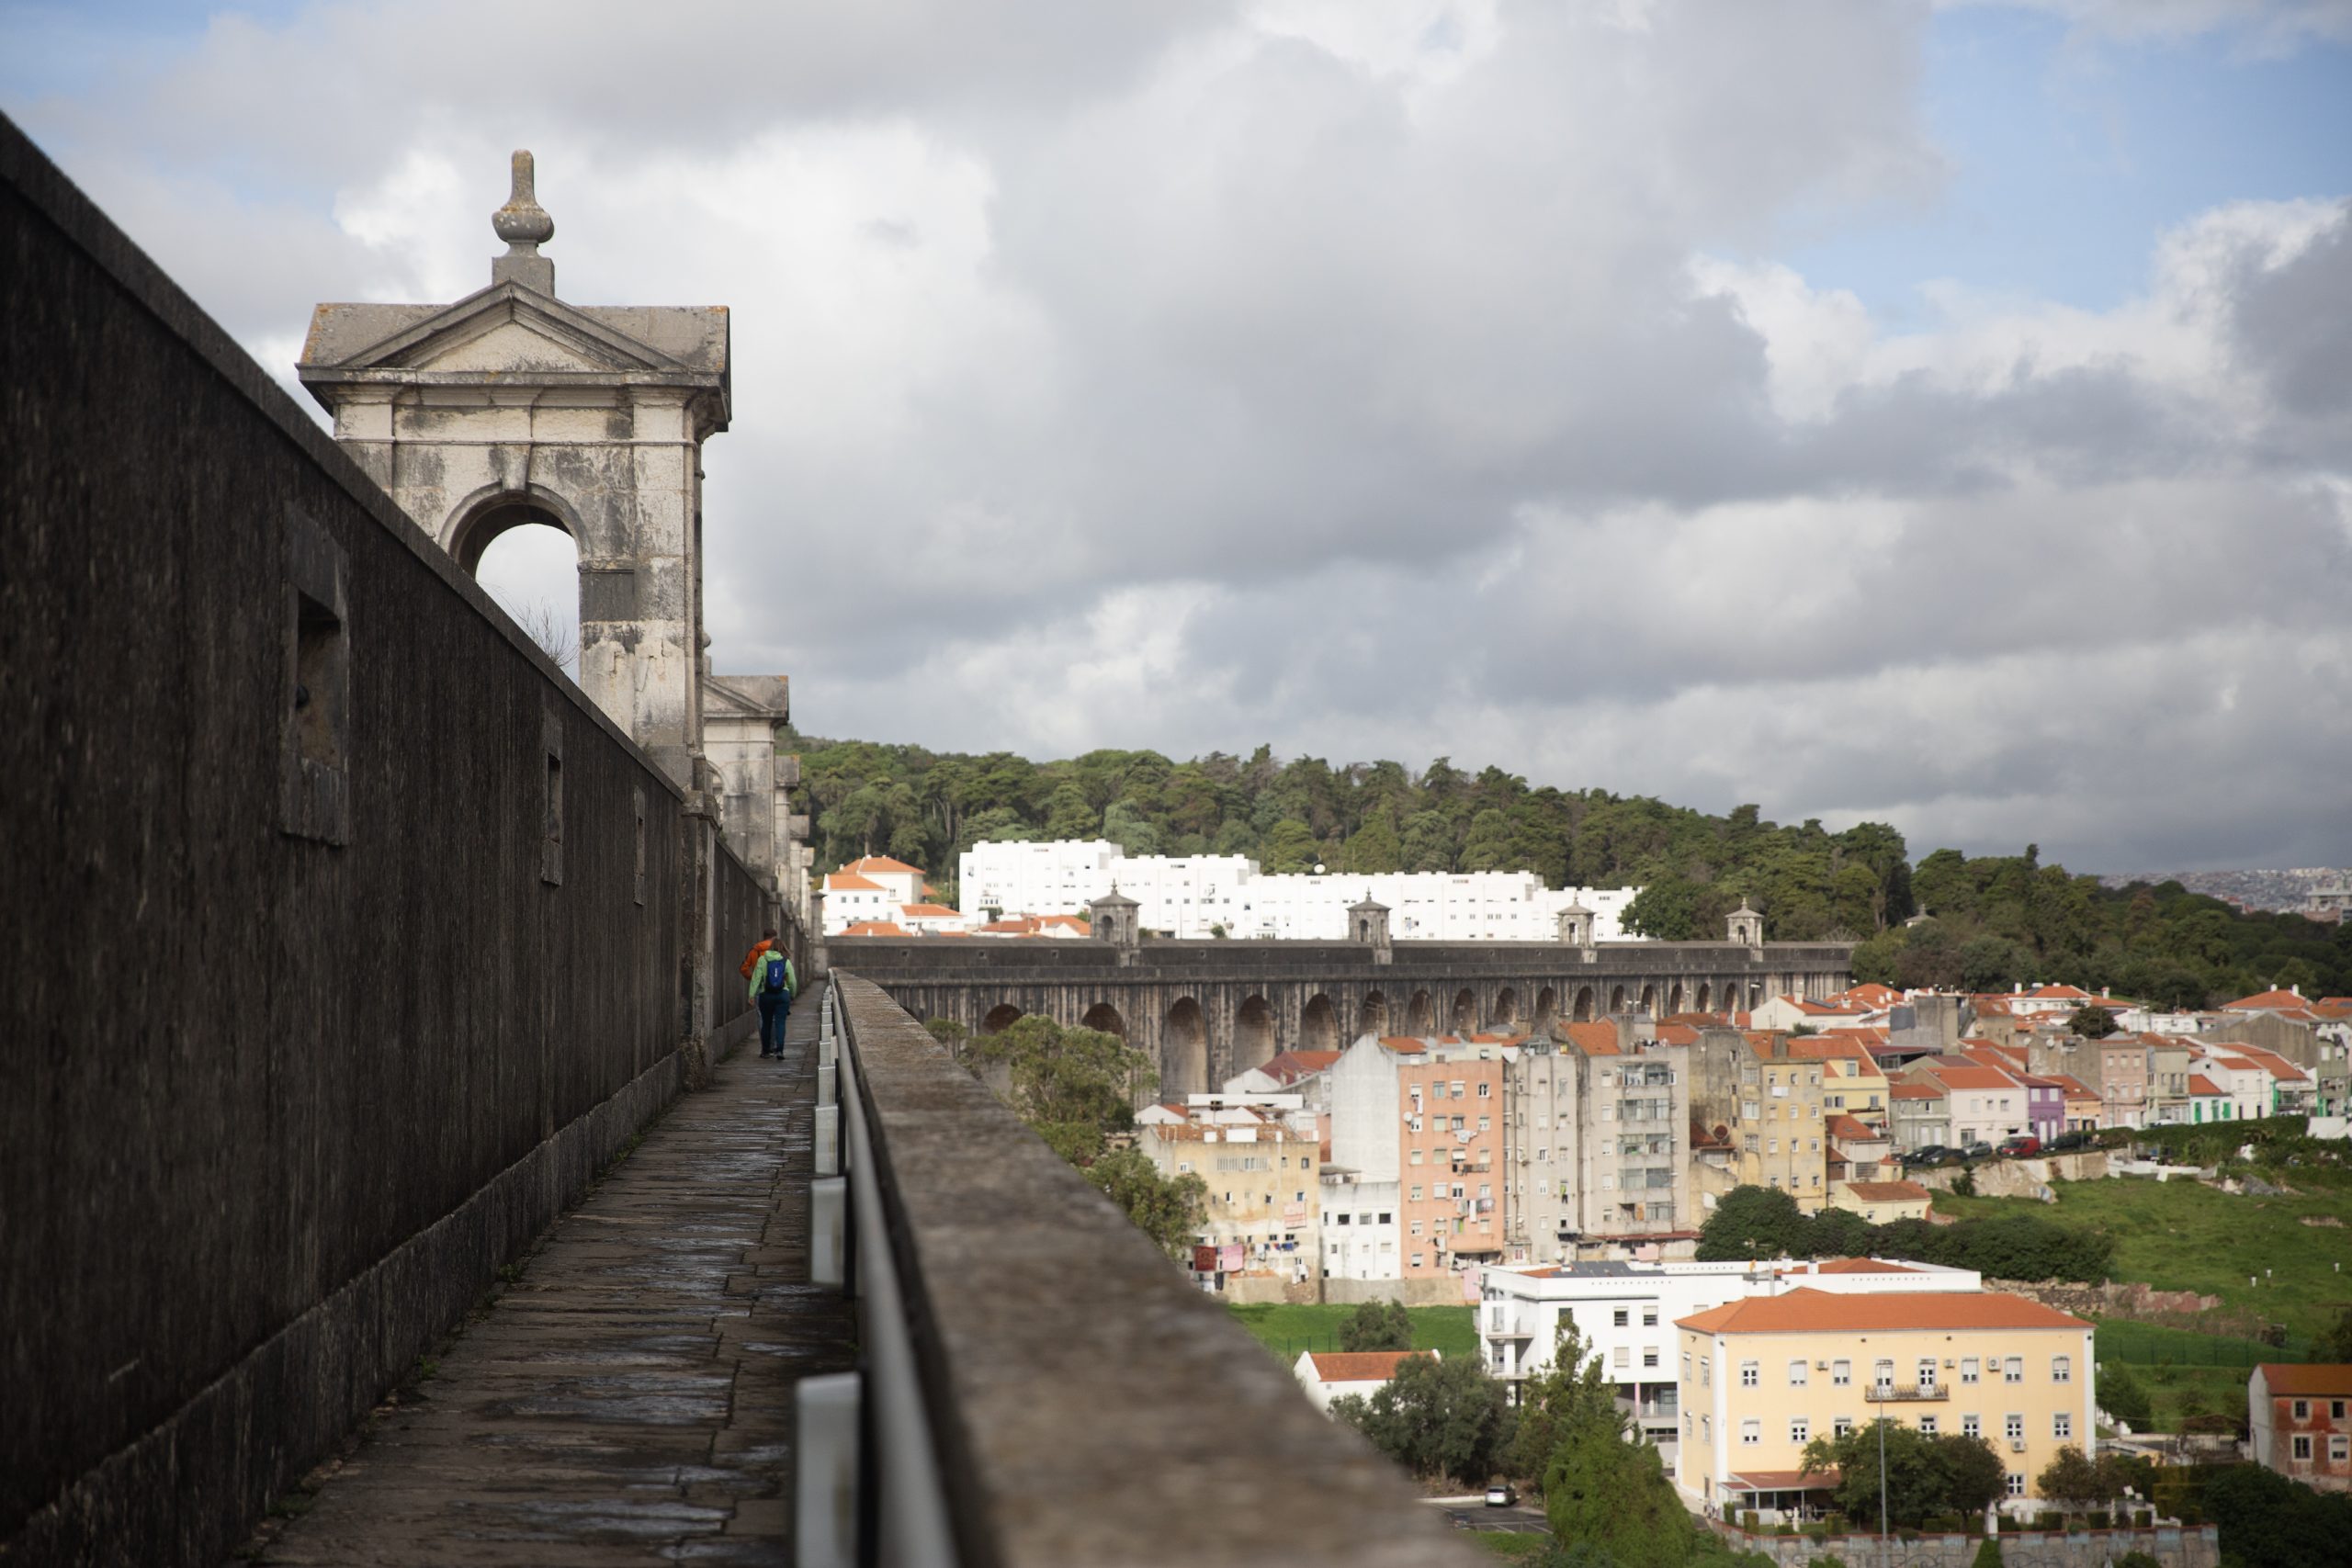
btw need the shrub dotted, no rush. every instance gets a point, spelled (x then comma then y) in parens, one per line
(2098, 1519)
(1989, 1550)
(2136, 1558)
(1827, 1560)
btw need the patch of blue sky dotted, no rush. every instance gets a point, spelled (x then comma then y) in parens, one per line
(2069, 155)
(63, 48)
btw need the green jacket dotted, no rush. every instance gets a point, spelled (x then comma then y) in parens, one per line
(760, 977)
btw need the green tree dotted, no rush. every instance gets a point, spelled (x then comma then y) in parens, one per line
(2335, 1344)
(1752, 1222)
(2123, 1396)
(1605, 1492)
(2070, 1480)
(948, 1032)
(1377, 1326)
(1574, 1395)
(1435, 1417)
(1061, 1074)
(1925, 1473)
(2092, 1023)
(1374, 848)
(1168, 1209)
(1290, 847)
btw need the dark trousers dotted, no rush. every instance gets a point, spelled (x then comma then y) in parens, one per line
(773, 1010)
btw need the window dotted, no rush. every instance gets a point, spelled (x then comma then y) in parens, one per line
(1621, 1357)
(2061, 1369)
(2339, 1449)
(1927, 1373)
(2335, 1409)
(1800, 1430)
(2302, 1445)
(1840, 1424)
(1456, 1088)
(1706, 1372)
(2061, 1426)
(1417, 1261)
(1927, 1424)
(2013, 1426)
(1971, 1425)
(1882, 1373)
(1416, 1156)
(1649, 1320)
(1750, 1374)
(1649, 1358)
(1417, 1197)
(314, 726)
(1484, 1090)
(1706, 1429)
(1797, 1372)
(2013, 1369)
(1617, 1318)
(2017, 1482)
(1751, 1433)
(1968, 1368)
(1686, 1366)
(1841, 1373)
(2302, 1410)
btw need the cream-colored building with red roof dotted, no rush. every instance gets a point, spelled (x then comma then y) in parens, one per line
(1759, 1092)
(1881, 1203)
(1759, 1378)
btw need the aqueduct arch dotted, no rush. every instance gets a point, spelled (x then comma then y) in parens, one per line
(1372, 1016)
(1106, 1018)
(1318, 1025)
(1184, 1050)
(1254, 1036)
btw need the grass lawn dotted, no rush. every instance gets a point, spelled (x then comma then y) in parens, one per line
(1511, 1546)
(1288, 1330)
(2184, 1236)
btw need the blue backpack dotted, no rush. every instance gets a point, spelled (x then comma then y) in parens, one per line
(774, 983)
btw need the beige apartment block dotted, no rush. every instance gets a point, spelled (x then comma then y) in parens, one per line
(1752, 1092)
(1265, 1193)
(1596, 1143)
(1762, 1377)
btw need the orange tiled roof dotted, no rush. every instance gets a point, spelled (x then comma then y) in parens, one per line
(1971, 1076)
(1358, 1366)
(1403, 1044)
(2062, 993)
(875, 928)
(2271, 1062)
(2199, 1084)
(2264, 1001)
(849, 882)
(1820, 1312)
(930, 911)
(1853, 1129)
(1594, 1038)
(2326, 1379)
(882, 864)
(1914, 1091)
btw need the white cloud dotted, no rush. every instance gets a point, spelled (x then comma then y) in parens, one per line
(1371, 378)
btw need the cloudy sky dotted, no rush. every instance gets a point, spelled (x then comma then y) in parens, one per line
(1935, 412)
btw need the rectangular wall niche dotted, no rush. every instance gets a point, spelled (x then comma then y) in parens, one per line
(314, 727)
(551, 842)
(636, 796)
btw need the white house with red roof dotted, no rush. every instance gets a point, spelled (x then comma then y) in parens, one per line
(1326, 1375)
(876, 895)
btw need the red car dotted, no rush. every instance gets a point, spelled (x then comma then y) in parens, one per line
(2022, 1144)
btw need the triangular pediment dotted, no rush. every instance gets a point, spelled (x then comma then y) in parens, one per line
(723, 697)
(508, 330)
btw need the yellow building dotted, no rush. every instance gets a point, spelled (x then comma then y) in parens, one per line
(1761, 1377)
(1881, 1203)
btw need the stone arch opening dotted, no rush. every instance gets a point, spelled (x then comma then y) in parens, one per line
(1674, 998)
(524, 549)
(1000, 1018)
(1421, 1015)
(1318, 1024)
(1650, 999)
(1371, 1014)
(1106, 1018)
(1547, 1008)
(1706, 997)
(1505, 1007)
(1253, 1034)
(1616, 998)
(1581, 1010)
(1184, 1050)
(1465, 1012)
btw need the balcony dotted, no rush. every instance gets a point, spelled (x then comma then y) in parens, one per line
(1903, 1393)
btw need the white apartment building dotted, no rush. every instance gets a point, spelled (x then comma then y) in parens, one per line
(1196, 896)
(1359, 1228)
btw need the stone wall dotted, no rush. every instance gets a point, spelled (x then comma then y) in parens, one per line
(2177, 1546)
(344, 939)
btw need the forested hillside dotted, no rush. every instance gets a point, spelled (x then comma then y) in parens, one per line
(1997, 919)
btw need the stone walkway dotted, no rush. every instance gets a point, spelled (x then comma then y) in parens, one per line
(629, 1399)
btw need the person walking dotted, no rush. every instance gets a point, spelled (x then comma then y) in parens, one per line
(773, 981)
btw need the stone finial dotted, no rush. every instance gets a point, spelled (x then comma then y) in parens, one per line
(524, 225)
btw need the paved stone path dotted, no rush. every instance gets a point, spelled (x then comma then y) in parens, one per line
(629, 1399)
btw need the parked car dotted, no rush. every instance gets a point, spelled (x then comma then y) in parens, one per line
(2023, 1143)
(1978, 1150)
(1501, 1496)
(1933, 1154)
(2066, 1141)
